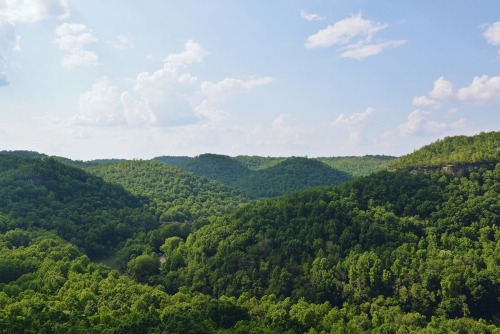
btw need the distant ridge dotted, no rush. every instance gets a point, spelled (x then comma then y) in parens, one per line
(290, 175)
(480, 149)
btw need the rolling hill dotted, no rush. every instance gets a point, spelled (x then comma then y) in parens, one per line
(42, 193)
(176, 195)
(483, 148)
(290, 175)
(282, 176)
(392, 252)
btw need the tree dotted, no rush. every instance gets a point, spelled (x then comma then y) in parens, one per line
(144, 266)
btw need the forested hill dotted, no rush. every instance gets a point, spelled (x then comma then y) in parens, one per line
(176, 195)
(422, 246)
(279, 178)
(353, 165)
(217, 167)
(46, 194)
(359, 166)
(288, 176)
(393, 252)
(459, 150)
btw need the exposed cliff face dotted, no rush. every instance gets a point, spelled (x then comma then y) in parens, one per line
(455, 170)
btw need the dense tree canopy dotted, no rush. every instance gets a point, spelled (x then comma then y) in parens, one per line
(176, 195)
(459, 150)
(393, 252)
(82, 208)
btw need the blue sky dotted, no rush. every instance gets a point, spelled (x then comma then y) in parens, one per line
(90, 79)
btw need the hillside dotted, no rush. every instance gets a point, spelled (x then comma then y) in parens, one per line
(423, 245)
(392, 252)
(176, 195)
(258, 163)
(221, 168)
(288, 176)
(267, 177)
(359, 166)
(82, 208)
(483, 148)
(172, 160)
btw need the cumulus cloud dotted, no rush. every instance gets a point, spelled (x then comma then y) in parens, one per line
(355, 37)
(443, 89)
(492, 34)
(423, 101)
(193, 53)
(34, 10)
(310, 16)
(163, 97)
(100, 105)
(73, 38)
(422, 123)
(168, 97)
(482, 89)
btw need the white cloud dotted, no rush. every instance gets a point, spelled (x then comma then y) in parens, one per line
(122, 42)
(193, 53)
(443, 89)
(423, 101)
(344, 31)
(355, 36)
(492, 33)
(310, 16)
(72, 38)
(423, 123)
(100, 106)
(168, 97)
(362, 50)
(163, 97)
(482, 89)
(33, 11)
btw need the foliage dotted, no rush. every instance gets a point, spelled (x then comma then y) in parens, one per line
(258, 163)
(290, 175)
(420, 244)
(281, 177)
(94, 215)
(459, 150)
(393, 252)
(359, 166)
(176, 195)
(221, 168)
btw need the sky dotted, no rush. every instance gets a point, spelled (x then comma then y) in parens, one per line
(92, 79)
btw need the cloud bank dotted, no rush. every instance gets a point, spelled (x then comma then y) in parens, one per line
(168, 97)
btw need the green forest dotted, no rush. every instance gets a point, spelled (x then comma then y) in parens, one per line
(216, 244)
